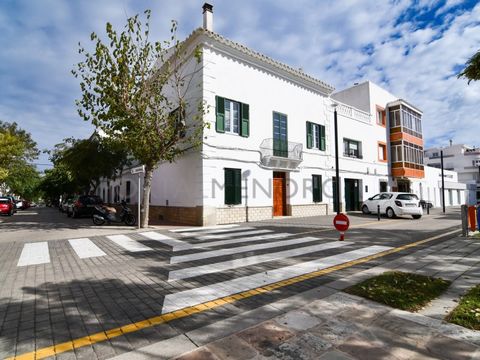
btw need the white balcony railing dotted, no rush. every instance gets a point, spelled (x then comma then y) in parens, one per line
(281, 154)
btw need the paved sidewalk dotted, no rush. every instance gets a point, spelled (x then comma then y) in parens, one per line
(325, 323)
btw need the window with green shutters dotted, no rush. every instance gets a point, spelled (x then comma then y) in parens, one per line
(233, 186)
(232, 117)
(317, 188)
(315, 136)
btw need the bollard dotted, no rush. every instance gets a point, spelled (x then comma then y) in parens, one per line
(478, 217)
(378, 212)
(428, 209)
(464, 212)
(472, 218)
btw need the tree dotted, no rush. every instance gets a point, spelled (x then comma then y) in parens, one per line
(135, 91)
(16, 148)
(472, 68)
(56, 182)
(23, 180)
(89, 160)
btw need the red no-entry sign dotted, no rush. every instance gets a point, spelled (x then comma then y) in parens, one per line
(341, 222)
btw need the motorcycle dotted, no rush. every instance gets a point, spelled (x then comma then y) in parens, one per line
(103, 215)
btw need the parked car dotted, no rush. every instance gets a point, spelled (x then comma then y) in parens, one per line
(394, 204)
(84, 205)
(12, 199)
(65, 204)
(426, 203)
(7, 206)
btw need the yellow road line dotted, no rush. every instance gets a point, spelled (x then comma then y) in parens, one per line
(161, 319)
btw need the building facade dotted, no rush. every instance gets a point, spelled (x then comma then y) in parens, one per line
(269, 149)
(464, 160)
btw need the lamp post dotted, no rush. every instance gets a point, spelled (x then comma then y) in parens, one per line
(337, 171)
(443, 182)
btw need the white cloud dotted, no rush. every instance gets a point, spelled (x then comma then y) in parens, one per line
(340, 42)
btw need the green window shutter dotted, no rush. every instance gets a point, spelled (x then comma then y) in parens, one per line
(238, 186)
(322, 138)
(309, 135)
(220, 112)
(245, 124)
(233, 186)
(317, 188)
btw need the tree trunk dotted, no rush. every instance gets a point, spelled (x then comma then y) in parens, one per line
(147, 185)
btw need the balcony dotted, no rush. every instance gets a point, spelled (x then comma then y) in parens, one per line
(278, 154)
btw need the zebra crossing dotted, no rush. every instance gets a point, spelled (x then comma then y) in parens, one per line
(200, 252)
(254, 258)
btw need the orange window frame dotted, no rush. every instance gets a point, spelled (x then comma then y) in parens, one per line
(383, 146)
(383, 120)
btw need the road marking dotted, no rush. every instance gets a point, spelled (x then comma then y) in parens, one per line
(219, 231)
(230, 235)
(176, 301)
(199, 228)
(251, 260)
(174, 243)
(56, 349)
(128, 244)
(234, 241)
(34, 254)
(85, 248)
(222, 252)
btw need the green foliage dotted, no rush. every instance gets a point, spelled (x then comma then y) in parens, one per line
(17, 148)
(135, 91)
(472, 68)
(467, 313)
(400, 290)
(56, 182)
(23, 180)
(89, 160)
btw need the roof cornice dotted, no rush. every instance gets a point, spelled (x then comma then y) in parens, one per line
(228, 47)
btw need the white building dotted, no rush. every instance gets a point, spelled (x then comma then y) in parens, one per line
(464, 160)
(270, 147)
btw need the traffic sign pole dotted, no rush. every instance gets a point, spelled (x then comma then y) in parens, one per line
(341, 223)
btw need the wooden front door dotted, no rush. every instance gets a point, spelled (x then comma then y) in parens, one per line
(279, 194)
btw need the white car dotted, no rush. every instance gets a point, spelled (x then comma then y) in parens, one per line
(394, 204)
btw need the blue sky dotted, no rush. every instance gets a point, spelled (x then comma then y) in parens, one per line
(411, 48)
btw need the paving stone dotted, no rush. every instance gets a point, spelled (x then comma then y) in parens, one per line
(335, 355)
(447, 348)
(165, 349)
(361, 349)
(298, 320)
(199, 354)
(232, 347)
(266, 336)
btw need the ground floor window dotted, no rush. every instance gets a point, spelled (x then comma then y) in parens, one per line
(233, 186)
(127, 192)
(317, 188)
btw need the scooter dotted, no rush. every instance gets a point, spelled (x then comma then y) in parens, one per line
(102, 216)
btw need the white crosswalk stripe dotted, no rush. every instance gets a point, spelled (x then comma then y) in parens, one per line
(199, 228)
(34, 254)
(237, 250)
(230, 235)
(174, 243)
(202, 294)
(128, 243)
(212, 244)
(217, 231)
(85, 248)
(251, 260)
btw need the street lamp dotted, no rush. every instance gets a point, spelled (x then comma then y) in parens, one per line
(337, 176)
(443, 181)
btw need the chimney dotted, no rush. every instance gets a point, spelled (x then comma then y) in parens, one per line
(207, 16)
